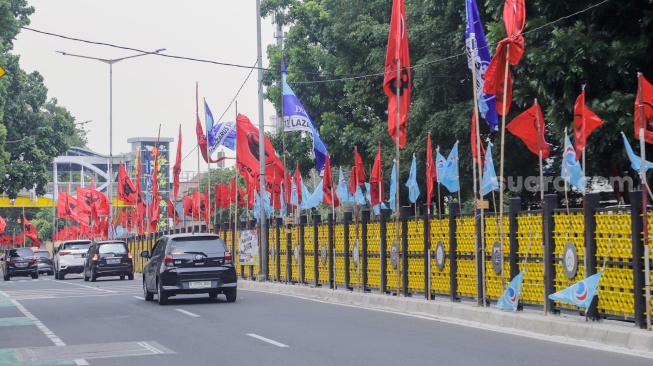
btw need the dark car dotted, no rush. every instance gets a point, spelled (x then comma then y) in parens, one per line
(189, 264)
(20, 262)
(44, 261)
(108, 258)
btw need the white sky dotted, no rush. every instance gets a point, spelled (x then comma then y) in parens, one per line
(148, 90)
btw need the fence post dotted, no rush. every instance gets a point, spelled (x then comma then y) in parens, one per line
(514, 206)
(316, 268)
(383, 229)
(277, 245)
(550, 203)
(365, 218)
(302, 265)
(637, 228)
(454, 212)
(243, 226)
(591, 204)
(406, 211)
(480, 257)
(427, 247)
(346, 255)
(289, 251)
(332, 273)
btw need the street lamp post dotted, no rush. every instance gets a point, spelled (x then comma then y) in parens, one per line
(111, 62)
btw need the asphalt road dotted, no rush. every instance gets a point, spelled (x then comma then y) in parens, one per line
(108, 323)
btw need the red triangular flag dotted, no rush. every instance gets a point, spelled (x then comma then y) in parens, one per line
(330, 198)
(176, 169)
(376, 180)
(645, 114)
(431, 175)
(529, 126)
(585, 121)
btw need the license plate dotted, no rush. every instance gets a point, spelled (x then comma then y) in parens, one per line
(21, 264)
(199, 284)
(113, 261)
(78, 256)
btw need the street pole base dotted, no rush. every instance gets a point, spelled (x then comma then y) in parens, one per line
(261, 278)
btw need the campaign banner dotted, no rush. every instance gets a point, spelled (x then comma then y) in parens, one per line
(248, 248)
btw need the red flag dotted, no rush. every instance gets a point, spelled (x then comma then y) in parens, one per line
(251, 187)
(585, 121)
(298, 183)
(155, 207)
(201, 138)
(3, 224)
(529, 126)
(233, 192)
(126, 189)
(514, 18)
(353, 184)
(645, 114)
(474, 140)
(197, 201)
(431, 175)
(397, 50)
(176, 169)
(141, 206)
(376, 180)
(172, 213)
(360, 168)
(330, 198)
(65, 209)
(30, 232)
(189, 207)
(84, 201)
(241, 198)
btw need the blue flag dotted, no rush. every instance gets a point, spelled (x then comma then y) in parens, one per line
(341, 190)
(490, 181)
(413, 188)
(510, 297)
(450, 177)
(257, 206)
(571, 170)
(220, 134)
(294, 194)
(359, 198)
(581, 293)
(476, 45)
(635, 161)
(266, 204)
(295, 118)
(440, 164)
(393, 188)
(283, 202)
(312, 200)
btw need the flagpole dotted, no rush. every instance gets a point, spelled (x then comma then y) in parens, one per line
(208, 166)
(583, 139)
(647, 253)
(480, 244)
(397, 131)
(333, 223)
(356, 213)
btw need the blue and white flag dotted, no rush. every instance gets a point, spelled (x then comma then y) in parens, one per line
(580, 293)
(510, 298)
(393, 188)
(490, 181)
(440, 164)
(310, 200)
(341, 190)
(571, 170)
(413, 188)
(295, 118)
(257, 206)
(266, 204)
(450, 177)
(359, 198)
(476, 45)
(635, 161)
(220, 134)
(294, 194)
(283, 202)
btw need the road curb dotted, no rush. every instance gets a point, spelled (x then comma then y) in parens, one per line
(620, 335)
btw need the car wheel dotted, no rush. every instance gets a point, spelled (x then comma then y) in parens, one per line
(231, 295)
(213, 295)
(146, 294)
(122, 277)
(161, 294)
(56, 275)
(130, 276)
(61, 276)
(35, 276)
(85, 276)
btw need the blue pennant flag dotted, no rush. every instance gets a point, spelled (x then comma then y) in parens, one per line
(413, 188)
(635, 161)
(220, 134)
(581, 293)
(295, 118)
(510, 297)
(341, 190)
(393, 188)
(440, 164)
(359, 198)
(312, 200)
(571, 170)
(490, 181)
(450, 177)
(476, 45)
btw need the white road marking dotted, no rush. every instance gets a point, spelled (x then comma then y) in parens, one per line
(267, 340)
(188, 313)
(150, 347)
(86, 286)
(81, 362)
(140, 298)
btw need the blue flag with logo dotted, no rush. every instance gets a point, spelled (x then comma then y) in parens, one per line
(571, 170)
(257, 206)
(635, 161)
(359, 198)
(341, 191)
(450, 177)
(310, 200)
(490, 181)
(295, 118)
(413, 188)
(476, 45)
(393, 188)
(581, 293)
(510, 298)
(220, 134)
(440, 164)
(294, 194)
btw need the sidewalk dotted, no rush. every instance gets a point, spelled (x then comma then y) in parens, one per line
(608, 335)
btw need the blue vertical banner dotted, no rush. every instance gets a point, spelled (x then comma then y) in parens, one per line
(413, 188)
(440, 164)
(341, 191)
(393, 188)
(450, 177)
(295, 118)
(571, 170)
(478, 52)
(490, 181)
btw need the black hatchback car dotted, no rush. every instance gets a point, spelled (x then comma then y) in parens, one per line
(44, 259)
(189, 264)
(108, 258)
(20, 262)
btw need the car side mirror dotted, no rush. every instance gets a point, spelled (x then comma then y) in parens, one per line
(145, 254)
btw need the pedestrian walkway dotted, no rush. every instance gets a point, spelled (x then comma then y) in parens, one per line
(609, 335)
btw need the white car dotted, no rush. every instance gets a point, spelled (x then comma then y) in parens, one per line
(69, 257)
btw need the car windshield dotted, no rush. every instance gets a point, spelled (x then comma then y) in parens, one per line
(72, 246)
(197, 245)
(21, 252)
(115, 248)
(42, 254)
